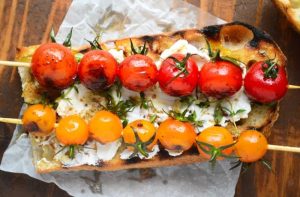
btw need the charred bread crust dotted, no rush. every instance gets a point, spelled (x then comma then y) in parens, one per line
(238, 40)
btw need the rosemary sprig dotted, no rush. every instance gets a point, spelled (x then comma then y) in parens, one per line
(52, 35)
(139, 146)
(143, 50)
(215, 152)
(180, 65)
(95, 43)
(67, 42)
(215, 55)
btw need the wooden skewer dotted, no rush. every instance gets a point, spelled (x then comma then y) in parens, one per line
(12, 63)
(15, 121)
(27, 64)
(270, 146)
(284, 148)
(293, 87)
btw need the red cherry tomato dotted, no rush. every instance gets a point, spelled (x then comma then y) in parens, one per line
(97, 70)
(138, 72)
(263, 88)
(176, 84)
(220, 79)
(54, 66)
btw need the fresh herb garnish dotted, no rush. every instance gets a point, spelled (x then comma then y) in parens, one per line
(215, 55)
(95, 43)
(67, 42)
(143, 50)
(64, 94)
(180, 65)
(218, 113)
(52, 35)
(185, 116)
(215, 152)
(139, 146)
(245, 166)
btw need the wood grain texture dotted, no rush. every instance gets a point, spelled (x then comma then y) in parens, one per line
(27, 22)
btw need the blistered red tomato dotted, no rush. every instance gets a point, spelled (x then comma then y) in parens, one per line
(138, 72)
(266, 82)
(54, 66)
(178, 76)
(220, 79)
(97, 70)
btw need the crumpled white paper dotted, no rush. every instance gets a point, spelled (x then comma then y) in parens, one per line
(119, 19)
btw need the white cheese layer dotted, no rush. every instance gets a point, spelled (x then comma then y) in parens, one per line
(118, 54)
(92, 153)
(127, 153)
(107, 152)
(84, 102)
(183, 47)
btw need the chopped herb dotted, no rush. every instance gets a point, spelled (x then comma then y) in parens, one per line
(67, 42)
(139, 146)
(180, 65)
(183, 117)
(52, 35)
(143, 50)
(65, 93)
(153, 118)
(95, 43)
(218, 113)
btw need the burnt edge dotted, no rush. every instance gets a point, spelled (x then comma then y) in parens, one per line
(213, 33)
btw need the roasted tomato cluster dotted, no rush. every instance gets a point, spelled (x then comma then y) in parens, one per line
(140, 136)
(54, 66)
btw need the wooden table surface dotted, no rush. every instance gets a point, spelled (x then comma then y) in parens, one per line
(27, 22)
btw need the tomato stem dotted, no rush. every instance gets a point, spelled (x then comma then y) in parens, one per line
(270, 69)
(72, 151)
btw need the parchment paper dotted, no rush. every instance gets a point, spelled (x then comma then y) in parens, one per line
(117, 19)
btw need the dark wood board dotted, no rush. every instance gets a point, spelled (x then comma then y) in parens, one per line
(27, 22)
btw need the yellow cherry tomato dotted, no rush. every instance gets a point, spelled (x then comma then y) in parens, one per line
(176, 135)
(251, 146)
(39, 118)
(72, 130)
(145, 130)
(105, 127)
(216, 136)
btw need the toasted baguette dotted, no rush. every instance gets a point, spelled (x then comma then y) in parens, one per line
(237, 40)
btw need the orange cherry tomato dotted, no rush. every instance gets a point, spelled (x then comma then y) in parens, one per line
(54, 66)
(176, 135)
(72, 130)
(216, 136)
(105, 127)
(251, 146)
(145, 130)
(39, 118)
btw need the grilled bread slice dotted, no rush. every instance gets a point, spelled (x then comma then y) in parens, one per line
(237, 40)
